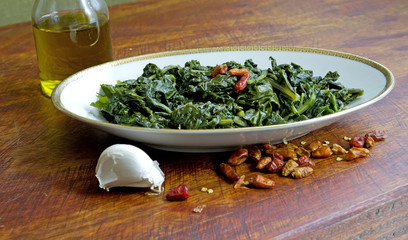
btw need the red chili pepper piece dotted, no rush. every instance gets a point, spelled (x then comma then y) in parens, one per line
(357, 142)
(275, 165)
(305, 161)
(377, 135)
(238, 72)
(242, 83)
(220, 69)
(179, 193)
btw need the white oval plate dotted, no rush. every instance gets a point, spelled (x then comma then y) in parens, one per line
(74, 95)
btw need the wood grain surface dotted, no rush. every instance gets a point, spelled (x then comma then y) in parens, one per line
(48, 188)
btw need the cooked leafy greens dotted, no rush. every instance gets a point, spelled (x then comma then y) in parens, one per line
(187, 97)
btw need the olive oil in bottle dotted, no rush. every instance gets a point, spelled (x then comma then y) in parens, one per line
(69, 41)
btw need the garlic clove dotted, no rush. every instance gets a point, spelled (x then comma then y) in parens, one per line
(124, 165)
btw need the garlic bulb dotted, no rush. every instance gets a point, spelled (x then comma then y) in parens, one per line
(123, 165)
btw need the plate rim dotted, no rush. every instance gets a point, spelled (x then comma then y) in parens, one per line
(390, 83)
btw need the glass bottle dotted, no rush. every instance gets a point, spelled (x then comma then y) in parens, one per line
(70, 35)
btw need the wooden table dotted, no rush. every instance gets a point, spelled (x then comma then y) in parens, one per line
(48, 188)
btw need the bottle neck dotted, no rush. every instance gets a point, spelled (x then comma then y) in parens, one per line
(90, 8)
